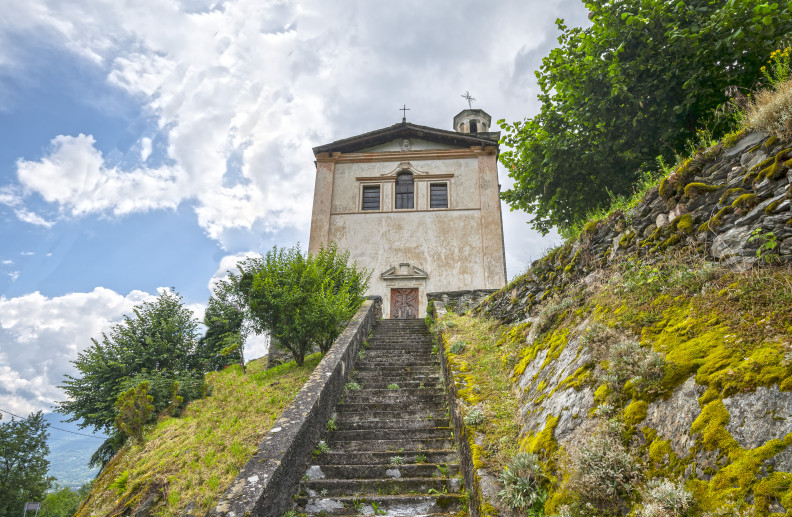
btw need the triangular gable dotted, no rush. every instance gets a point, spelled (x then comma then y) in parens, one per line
(405, 130)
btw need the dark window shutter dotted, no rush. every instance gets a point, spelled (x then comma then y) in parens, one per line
(438, 195)
(371, 197)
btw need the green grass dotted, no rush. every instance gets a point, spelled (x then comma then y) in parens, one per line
(194, 458)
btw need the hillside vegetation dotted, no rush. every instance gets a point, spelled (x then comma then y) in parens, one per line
(186, 463)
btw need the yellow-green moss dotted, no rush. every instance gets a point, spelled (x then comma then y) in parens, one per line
(635, 412)
(731, 139)
(717, 219)
(542, 443)
(683, 223)
(769, 209)
(745, 202)
(665, 189)
(774, 170)
(696, 188)
(770, 141)
(726, 198)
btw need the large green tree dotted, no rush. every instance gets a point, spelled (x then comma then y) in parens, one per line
(634, 85)
(302, 299)
(23, 463)
(158, 344)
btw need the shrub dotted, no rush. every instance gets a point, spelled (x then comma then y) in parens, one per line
(548, 315)
(522, 481)
(134, 410)
(600, 472)
(664, 498)
(632, 366)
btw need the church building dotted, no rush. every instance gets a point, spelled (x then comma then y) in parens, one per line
(418, 206)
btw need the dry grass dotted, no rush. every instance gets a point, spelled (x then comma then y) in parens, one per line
(194, 458)
(771, 110)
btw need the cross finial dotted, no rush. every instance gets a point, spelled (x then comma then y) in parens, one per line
(404, 110)
(468, 98)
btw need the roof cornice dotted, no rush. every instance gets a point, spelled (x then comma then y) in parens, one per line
(408, 130)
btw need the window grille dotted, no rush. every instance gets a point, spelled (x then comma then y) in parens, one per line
(438, 195)
(371, 197)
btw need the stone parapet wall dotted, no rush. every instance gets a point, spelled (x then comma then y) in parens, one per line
(265, 484)
(460, 301)
(724, 204)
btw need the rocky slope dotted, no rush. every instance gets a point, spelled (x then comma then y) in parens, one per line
(651, 358)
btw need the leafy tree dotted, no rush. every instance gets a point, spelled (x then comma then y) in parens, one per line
(224, 320)
(302, 300)
(64, 502)
(158, 343)
(23, 463)
(633, 86)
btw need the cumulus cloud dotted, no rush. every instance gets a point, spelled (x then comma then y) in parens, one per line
(40, 336)
(241, 90)
(228, 263)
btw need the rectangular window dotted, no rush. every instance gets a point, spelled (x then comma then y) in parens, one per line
(371, 197)
(438, 195)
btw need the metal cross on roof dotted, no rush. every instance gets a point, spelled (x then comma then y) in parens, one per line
(404, 110)
(468, 98)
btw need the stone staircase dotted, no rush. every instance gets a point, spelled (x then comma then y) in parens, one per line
(392, 451)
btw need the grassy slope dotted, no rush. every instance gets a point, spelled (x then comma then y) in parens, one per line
(193, 458)
(731, 329)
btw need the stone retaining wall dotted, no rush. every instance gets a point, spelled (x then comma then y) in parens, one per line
(460, 301)
(265, 485)
(724, 204)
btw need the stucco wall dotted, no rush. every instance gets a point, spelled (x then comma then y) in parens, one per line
(457, 248)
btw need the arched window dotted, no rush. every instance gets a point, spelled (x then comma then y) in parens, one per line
(404, 190)
(473, 127)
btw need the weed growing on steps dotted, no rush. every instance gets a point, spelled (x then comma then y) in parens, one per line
(352, 386)
(420, 458)
(397, 460)
(195, 457)
(321, 448)
(393, 386)
(331, 424)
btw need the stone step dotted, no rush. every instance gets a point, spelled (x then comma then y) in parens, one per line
(403, 504)
(391, 470)
(416, 423)
(387, 434)
(382, 383)
(363, 487)
(389, 396)
(368, 407)
(412, 456)
(412, 414)
(412, 369)
(403, 444)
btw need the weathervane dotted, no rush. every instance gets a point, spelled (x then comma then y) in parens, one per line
(404, 109)
(468, 98)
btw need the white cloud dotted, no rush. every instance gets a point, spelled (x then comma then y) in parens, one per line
(27, 253)
(14, 275)
(40, 336)
(7, 262)
(228, 263)
(263, 82)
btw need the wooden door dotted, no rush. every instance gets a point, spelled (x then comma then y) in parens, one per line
(404, 304)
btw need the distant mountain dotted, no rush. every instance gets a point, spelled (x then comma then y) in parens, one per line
(69, 453)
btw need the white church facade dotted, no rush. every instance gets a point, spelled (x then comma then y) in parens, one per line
(418, 206)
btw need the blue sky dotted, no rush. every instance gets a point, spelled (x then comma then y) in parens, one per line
(152, 144)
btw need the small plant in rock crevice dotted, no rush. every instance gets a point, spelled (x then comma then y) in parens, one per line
(601, 474)
(766, 253)
(474, 417)
(631, 367)
(665, 498)
(522, 481)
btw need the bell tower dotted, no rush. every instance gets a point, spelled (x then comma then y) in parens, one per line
(472, 121)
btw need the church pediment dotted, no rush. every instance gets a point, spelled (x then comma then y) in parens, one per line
(405, 167)
(404, 271)
(408, 131)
